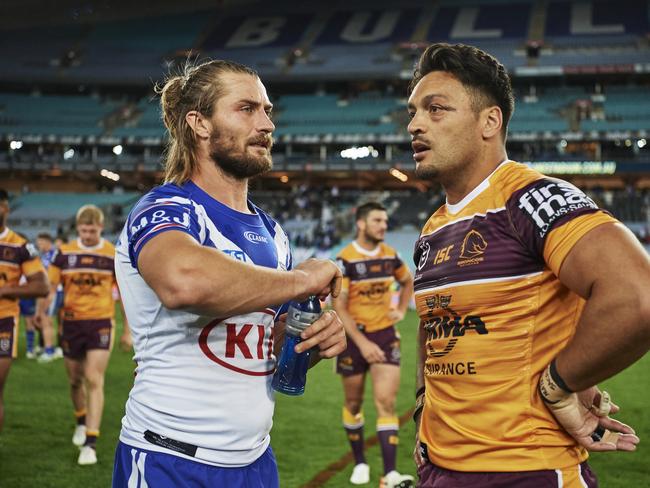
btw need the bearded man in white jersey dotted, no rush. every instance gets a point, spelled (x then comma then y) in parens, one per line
(203, 274)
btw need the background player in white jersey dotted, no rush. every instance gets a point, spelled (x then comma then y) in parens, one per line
(203, 273)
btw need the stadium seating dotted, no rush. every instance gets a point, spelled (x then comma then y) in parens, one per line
(52, 115)
(32, 213)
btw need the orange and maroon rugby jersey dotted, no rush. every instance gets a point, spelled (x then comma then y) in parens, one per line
(368, 277)
(495, 314)
(17, 258)
(88, 276)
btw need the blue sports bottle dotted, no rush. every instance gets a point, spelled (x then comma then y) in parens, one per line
(291, 374)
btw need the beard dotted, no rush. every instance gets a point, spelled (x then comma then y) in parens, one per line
(372, 239)
(223, 152)
(426, 172)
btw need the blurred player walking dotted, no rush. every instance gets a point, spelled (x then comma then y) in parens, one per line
(18, 258)
(370, 268)
(85, 268)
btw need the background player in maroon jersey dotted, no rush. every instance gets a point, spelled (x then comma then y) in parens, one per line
(370, 268)
(17, 258)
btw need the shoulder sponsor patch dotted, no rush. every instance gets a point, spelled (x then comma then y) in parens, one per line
(546, 201)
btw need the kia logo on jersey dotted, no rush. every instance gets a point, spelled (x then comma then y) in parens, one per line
(254, 237)
(243, 344)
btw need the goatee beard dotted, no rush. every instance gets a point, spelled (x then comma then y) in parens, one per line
(238, 166)
(372, 240)
(426, 172)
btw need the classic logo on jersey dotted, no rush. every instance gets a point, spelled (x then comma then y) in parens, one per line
(545, 204)
(472, 249)
(361, 268)
(243, 344)
(254, 237)
(72, 260)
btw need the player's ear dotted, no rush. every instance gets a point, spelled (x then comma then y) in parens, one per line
(492, 120)
(199, 124)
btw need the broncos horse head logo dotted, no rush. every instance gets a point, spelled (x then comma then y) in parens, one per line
(474, 245)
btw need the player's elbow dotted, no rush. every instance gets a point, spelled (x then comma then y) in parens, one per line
(177, 295)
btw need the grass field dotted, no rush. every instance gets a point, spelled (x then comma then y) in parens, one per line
(35, 447)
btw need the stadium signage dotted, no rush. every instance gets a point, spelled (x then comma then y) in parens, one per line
(574, 167)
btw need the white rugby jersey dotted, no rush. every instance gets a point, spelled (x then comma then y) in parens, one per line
(203, 381)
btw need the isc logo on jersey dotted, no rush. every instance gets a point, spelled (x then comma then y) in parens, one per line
(548, 202)
(243, 344)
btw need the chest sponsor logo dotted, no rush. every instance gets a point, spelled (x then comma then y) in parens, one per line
(245, 346)
(254, 237)
(545, 204)
(472, 249)
(375, 291)
(86, 281)
(444, 328)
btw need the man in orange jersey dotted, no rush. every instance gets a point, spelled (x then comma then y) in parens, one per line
(517, 289)
(17, 258)
(85, 268)
(370, 268)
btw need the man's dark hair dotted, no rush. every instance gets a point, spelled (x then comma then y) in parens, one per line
(481, 74)
(4, 195)
(46, 236)
(366, 208)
